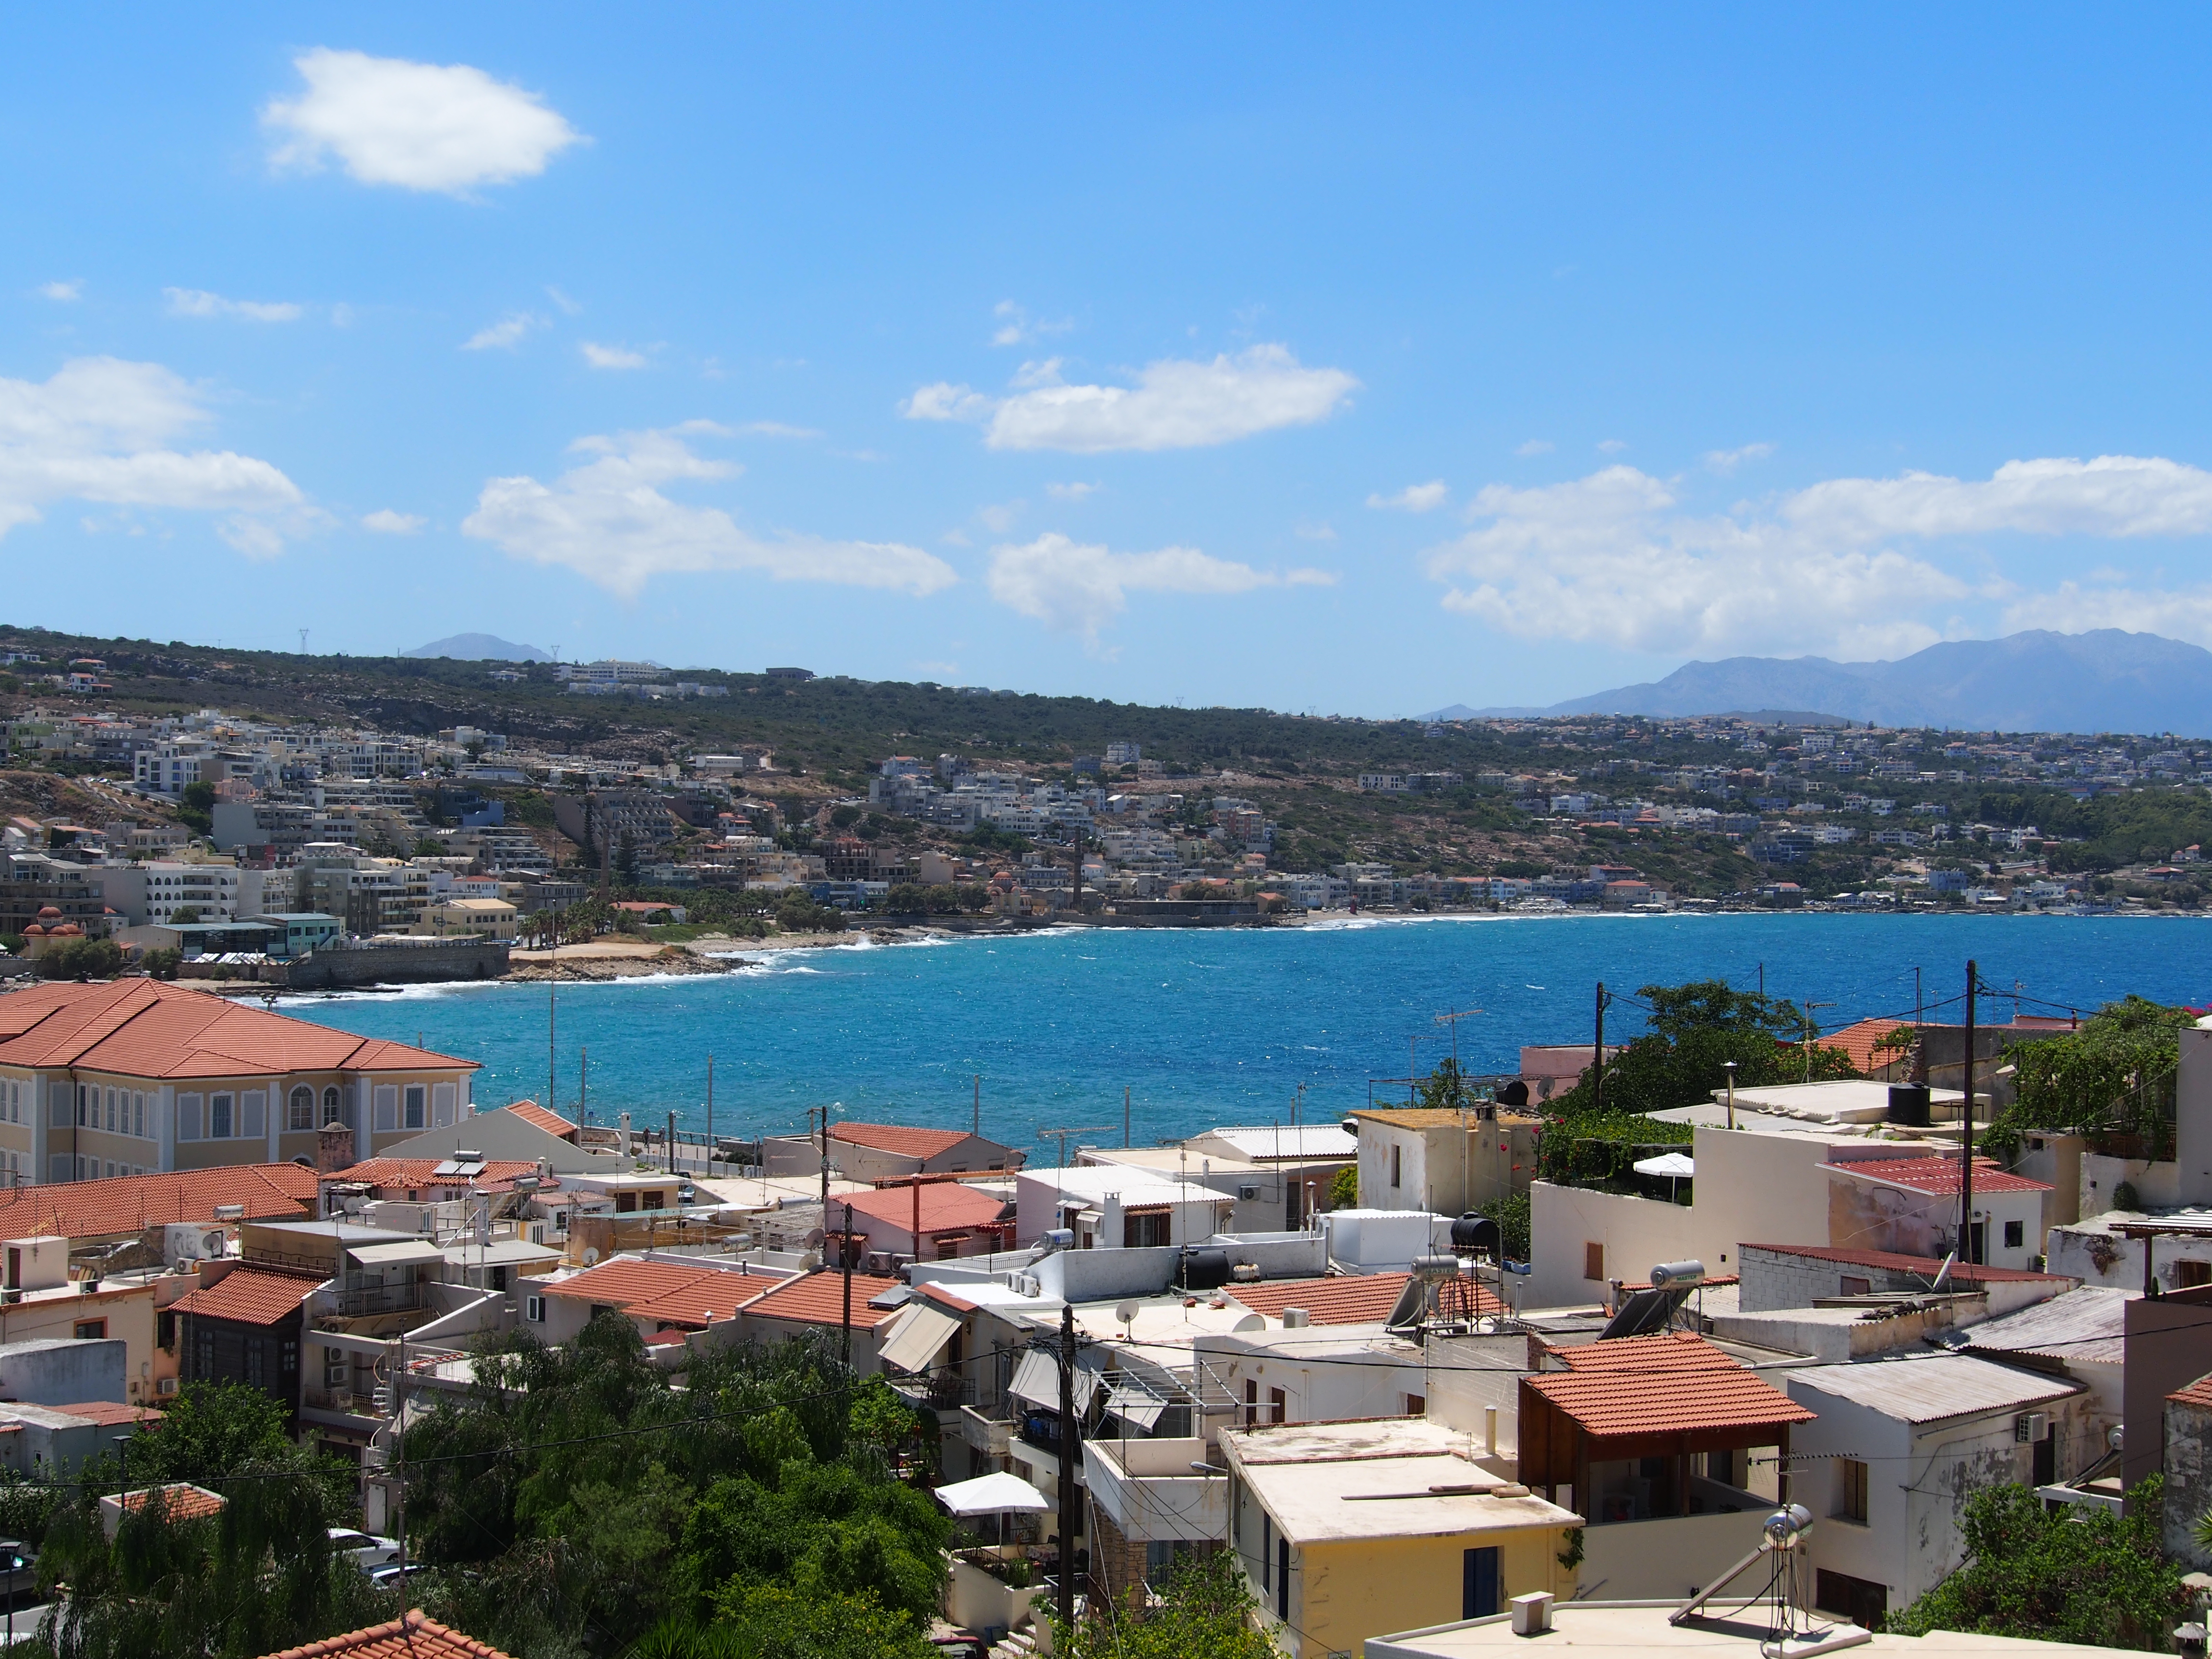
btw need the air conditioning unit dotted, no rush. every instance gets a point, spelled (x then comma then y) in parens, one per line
(166, 1387)
(1248, 1191)
(2031, 1426)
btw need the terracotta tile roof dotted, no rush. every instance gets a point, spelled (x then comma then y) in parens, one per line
(1926, 1267)
(716, 1293)
(1674, 1351)
(154, 1029)
(181, 1500)
(897, 1138)
(249, 1296)
(1366, 1299)
(1863, 1044)
(1683, 1392)
(2198, 1393)
(130, 1203)
(946, 1206)
(110, 1414)
(531, 1113)
(411, 1636)
(818, 1298)
(621, 1280)
(1936, 1176)
(498, 1175)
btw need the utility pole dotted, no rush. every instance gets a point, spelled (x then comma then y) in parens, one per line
(1064, 1600)
(710, 1118)
(1125, 1115)
(583, 1091)
(1084, 1129)
(976, 1129)
(845, 1255)
(1597, 1050)
(1811, 1031)
(672, 1152)
(1919, 1018)
(1967, 1137)
(552, 1024)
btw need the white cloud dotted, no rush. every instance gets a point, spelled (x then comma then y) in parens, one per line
(72, 289)
(102, 430)
(1017, 327)
(386, 522)
(1072, 492)
(1533, 447)
(504, 335)
(1176, 404)
(776, 429)
(1414, 498)
(607, 357)
(607, 518)
(1306, 531)
(2179, 614)
(1078, 587)
(420, 126)
(1000, 518)
(568, 307)
(1610, 447)
(1611, 558)
(1725, 461)
(198, 302)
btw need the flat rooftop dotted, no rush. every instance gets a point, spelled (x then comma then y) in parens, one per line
(1634, 1630)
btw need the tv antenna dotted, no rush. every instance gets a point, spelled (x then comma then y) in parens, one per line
(1086, 1129)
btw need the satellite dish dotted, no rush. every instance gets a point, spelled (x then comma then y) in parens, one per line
(591, 1255)
(1125, 1312)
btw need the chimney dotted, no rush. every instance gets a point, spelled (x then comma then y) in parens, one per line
(333, 1148)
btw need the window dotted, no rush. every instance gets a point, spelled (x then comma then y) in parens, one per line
(1145, 1232)
(138, 1116)
(84, 1096)
(332, 1112)
(1418, 1406)
(416, 1095)
(1861, 1601)
(1479, 1583)
(1283, 1579)
(1397, 1165)
(57, 1104)
(2016, 1235)
(1251, 1403)
(533, 1310)
(300, 1109)
(2188, 1275)
(1851, 1285)
(1594, 1262)
(188, 1117)
(388, 1107)
(91, 1330)
(165, 1331)
(1850, 1491)
(219, 1117)
(1277, 1405)
(111, 1111)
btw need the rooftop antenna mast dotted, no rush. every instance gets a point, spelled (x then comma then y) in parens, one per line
(1083, 1129)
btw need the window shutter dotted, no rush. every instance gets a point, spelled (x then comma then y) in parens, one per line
(188, 1117)
(388, 1107)
(254, 1123)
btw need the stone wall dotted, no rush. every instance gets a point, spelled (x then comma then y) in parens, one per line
(337, 966)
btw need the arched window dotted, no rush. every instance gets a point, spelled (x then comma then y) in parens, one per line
(303, 1113)
(332, 1112)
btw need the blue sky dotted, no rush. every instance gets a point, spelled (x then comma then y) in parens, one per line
(1251, 356)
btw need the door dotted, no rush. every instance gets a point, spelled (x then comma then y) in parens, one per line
(2046, 1459)
(1283, 1579)
(1479, 1583)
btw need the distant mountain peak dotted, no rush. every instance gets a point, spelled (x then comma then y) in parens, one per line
(2102, 680)
(482, 648)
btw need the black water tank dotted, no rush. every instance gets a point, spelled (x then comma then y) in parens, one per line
(1473, 1234)
(1204, 1270)
(1515, 1093)
(1908, 1104)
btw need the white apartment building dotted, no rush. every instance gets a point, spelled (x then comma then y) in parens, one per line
(169, 768)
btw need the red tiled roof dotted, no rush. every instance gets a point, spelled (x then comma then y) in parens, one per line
(152, 1028)
(1890, 1261)
(2198, 1393)
(714, 1294)
(1674, 1351)
(1366, 1299)
(895, 1138)
(621, 1281)
(498, 1175)
(946, 1206)
(130, 1203)
(531, 1113)
(1936, 1176)
(1682, 1392)
(180, 1500)
(249, 1295)
(818, 1298)
(1863, 1043)
(411, 1636)
(110, 1414)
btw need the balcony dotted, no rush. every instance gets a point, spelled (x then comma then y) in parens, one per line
(1152, 1493)
(988, 1436)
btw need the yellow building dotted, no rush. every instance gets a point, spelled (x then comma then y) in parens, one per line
(471, 918)
(1350, 1530)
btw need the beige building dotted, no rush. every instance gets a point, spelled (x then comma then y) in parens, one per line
(140, 1075)
(1444, 1162)
(471, 918)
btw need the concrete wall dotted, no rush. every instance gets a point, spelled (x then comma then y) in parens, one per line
(2188, 1432)
(342, 965)
(1667, 1560)
(49, 1371)
(1865, 1215)
(2169, 1345)
(1472, 1375)
(2192, 1104)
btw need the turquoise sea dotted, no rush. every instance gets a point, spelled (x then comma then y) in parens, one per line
(1214, 1027)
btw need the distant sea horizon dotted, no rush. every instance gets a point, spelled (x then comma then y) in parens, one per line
(1217, 1026)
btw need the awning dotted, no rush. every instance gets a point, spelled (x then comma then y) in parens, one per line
(1036, 1380)
(407, 1253)
(921, 1338)
(994, 1494)
(1135, 1407)
(1674, 1165)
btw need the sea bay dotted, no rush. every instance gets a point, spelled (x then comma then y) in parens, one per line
(1214, 1026)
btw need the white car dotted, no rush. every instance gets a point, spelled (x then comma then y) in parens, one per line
(369, 1552)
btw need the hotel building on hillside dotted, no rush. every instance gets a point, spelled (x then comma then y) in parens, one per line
(139, 1075)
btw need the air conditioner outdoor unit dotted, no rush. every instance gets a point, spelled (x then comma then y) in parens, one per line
(1247, 1192)
(166, 1387)
(2031, 1426)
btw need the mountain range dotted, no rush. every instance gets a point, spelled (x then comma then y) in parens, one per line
(2105, 680)
(482, 648)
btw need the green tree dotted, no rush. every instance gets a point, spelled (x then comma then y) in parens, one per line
(1205, 1612)
(185, 915)
(90, 958)
(1510, 1212)
(2117, 1071)
(1344, 1188)
(197, 809)
(2086, 1576)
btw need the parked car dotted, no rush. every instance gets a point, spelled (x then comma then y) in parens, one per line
(390, 1576)
(368, 1549)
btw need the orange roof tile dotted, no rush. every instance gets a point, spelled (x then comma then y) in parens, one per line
(1634, 1388)
(152, 1028)
(1865, 1044)
(1365, 1300)
(536, 1115)
(818, 1298)
(411, 1636)
(131, 1204)
(180, 1500)
(898, 1140)
(715, 1294)
(621, 1280)
(946, 1206)
(498, 1175)
(110, 1414)
(1935, 1175)
(2198, 1393)
(249, 1296)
